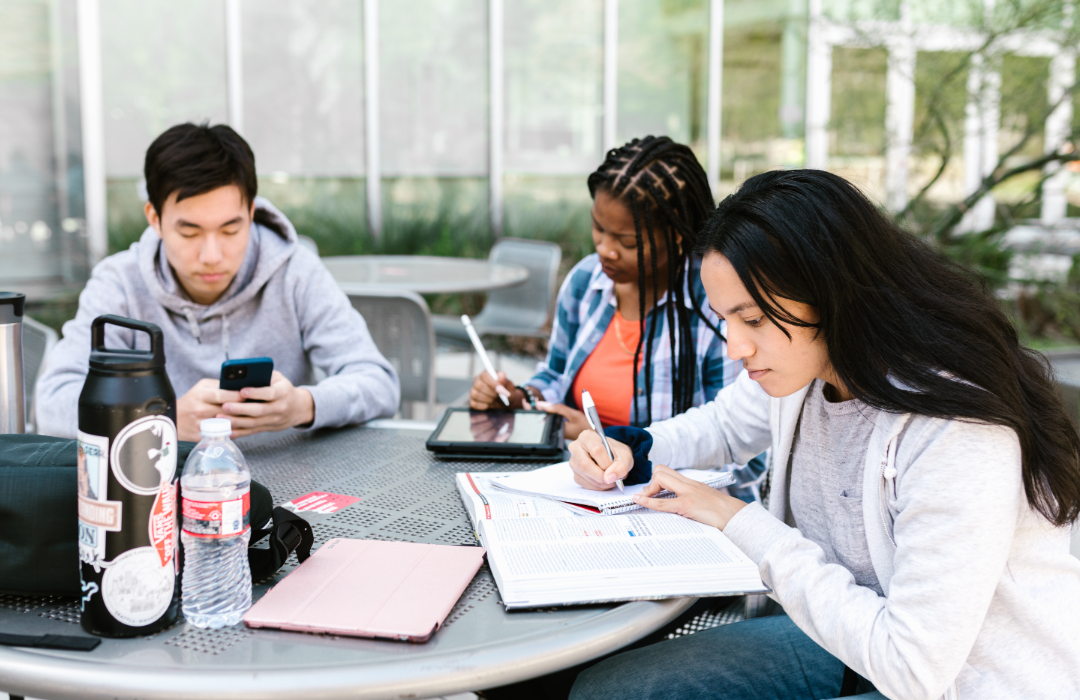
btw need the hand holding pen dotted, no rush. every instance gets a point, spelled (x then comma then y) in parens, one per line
(592, 467)
(589, 407)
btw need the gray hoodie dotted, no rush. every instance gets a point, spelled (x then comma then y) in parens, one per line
(283, 304)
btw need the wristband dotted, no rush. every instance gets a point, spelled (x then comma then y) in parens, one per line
(528, 395)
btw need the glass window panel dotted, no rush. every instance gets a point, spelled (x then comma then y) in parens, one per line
(163, 63)
(1025, 106)
(955, 12)
(553, 208)
(433, 71)
(37, 255)
(304, 86)
(855, 10)
(857, 126)
(663, 70)
(764, 82)
(435, 216)
(1024, 109)
(938, 131)
(554, 85)
(332, 211)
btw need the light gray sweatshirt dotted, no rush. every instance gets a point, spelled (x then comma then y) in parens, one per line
(283, 304)
(982, 598)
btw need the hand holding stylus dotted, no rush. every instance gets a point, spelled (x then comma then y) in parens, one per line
(502, 391)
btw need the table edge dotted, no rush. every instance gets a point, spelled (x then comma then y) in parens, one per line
(22, 672)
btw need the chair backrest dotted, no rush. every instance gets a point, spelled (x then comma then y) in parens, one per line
(527, 305)
(400, 325)
(38, 339)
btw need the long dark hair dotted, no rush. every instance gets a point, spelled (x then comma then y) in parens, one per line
(668, 194)
(906, 329)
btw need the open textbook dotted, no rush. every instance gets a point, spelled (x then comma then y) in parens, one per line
(557, 483)
(543, 554)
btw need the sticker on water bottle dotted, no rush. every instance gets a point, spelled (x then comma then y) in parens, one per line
(214, 519)
(136, 589)
(97, 514)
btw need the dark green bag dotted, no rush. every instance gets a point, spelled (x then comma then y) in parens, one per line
(39, 553)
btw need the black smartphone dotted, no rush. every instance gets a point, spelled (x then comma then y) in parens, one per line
(250, 372)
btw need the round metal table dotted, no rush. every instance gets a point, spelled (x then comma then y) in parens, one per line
(422, 274)
(407, 496)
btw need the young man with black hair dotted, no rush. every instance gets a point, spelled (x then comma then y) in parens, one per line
(220, 271)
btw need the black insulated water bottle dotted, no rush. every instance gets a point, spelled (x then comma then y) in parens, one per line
(128, 479)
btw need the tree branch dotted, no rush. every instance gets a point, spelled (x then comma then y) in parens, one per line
(952, 216)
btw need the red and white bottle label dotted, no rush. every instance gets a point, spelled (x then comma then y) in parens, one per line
(216, 519)
(162, 528)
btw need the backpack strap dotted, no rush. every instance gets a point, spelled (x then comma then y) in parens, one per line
(288, 533)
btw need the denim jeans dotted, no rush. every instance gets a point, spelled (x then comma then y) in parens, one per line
(766, 658)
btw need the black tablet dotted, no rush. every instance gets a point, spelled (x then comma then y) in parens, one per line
(463, 431)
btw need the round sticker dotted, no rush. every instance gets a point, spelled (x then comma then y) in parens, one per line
(144, 455)
(136, 588)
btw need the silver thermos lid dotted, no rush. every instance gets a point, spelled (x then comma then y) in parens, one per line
(12, 401)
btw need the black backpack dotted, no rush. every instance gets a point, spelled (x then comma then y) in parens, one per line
(39, 553)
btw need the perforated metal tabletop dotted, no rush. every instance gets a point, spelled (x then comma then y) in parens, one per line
(407, 496)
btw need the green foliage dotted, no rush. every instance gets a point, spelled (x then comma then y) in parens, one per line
(1049, 312)
(421, 216)
(983, 254)
(126, 218)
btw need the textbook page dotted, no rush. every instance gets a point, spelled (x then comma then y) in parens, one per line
(484, 502)
(607, 558)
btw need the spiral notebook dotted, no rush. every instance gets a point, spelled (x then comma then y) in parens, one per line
(556, 483)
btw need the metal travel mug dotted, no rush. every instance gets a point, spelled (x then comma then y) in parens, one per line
(127, 479)
(12, 396)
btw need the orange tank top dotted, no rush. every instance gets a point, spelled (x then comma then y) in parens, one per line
(606, 373)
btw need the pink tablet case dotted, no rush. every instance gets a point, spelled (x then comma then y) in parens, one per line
(369, 588)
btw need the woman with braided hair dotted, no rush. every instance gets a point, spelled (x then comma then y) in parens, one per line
(633, 326)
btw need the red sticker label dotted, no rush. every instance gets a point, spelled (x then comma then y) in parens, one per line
(217, 518)
(320, 502)
(163, 523)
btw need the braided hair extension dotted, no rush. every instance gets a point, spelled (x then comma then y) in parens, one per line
(665, 188)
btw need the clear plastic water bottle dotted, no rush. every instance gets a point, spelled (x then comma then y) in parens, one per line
(215, 491)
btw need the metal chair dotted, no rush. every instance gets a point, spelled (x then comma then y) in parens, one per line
(38, 339)
(523, 310)
(400, 325)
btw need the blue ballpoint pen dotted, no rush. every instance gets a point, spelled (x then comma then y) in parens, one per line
(593, 417)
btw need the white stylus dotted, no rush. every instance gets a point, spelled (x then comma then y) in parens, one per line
(479, 347)
(593, 417)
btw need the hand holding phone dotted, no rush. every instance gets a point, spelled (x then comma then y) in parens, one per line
(249, 372)
(275, 407)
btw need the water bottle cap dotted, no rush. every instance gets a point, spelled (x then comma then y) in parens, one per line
(215, 427)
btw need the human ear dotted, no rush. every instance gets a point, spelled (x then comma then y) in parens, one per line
(152, 217)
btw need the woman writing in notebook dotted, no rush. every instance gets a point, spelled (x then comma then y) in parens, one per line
(926, 472)
(632, 325)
